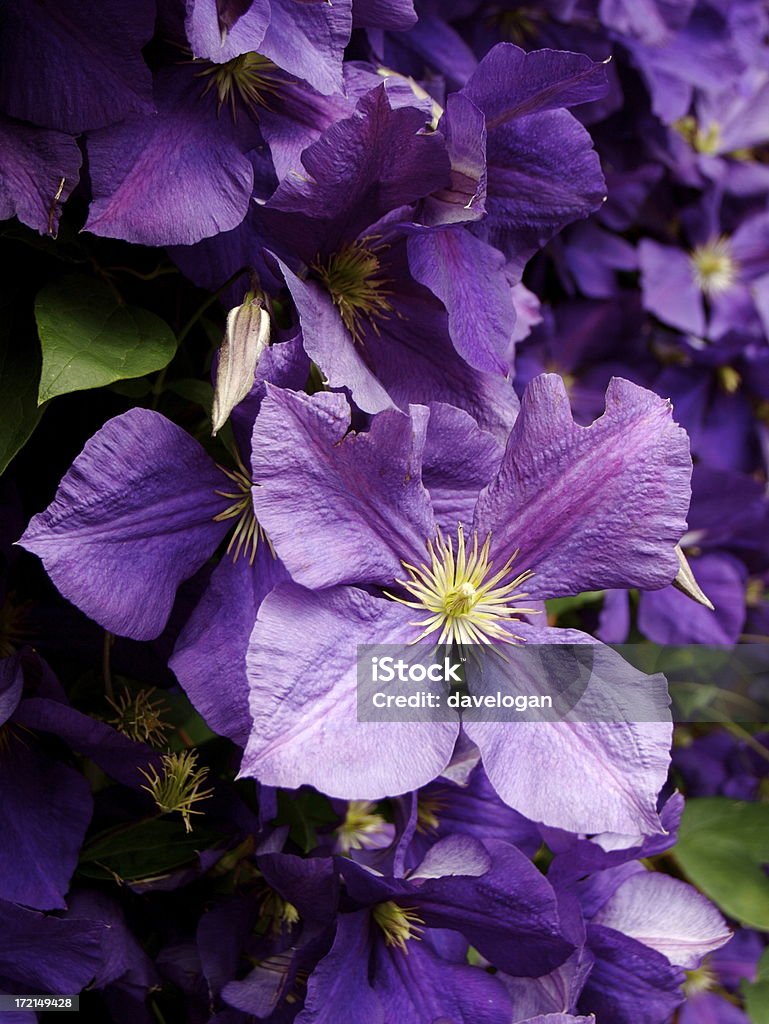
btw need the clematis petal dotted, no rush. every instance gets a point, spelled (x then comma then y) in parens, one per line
(669, 290)
(469, 278)
(133, 517)
(45, 809)
(666, 914)
(308, 40)
(592, 507)
(621, 762)
(92, 74)
(38, 171)
(339, 508)
(174, 177)
(213, 643)
(46, 953)
(304, 702)
(458, 461)
(510, 83)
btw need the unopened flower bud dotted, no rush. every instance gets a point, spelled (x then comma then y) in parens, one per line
(246, 338)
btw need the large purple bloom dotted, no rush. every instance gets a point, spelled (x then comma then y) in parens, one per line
(577, 507)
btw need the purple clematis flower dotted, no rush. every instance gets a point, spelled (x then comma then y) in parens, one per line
(562, 509)
(305, 39)
(488, 894)
(343, 233)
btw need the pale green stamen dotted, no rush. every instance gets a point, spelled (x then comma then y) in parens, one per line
(399, 924)
(178, 787)
(360, 828)
(354, 279)
(713, 266)
(250, 78)
(140, 717)
(468, 602)
(247, 533)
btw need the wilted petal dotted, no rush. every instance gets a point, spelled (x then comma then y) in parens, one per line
(246, 338)
(337, 507)
(304, 699)
(132, 518)
(666, 914)
(590, 507)
(38, 170)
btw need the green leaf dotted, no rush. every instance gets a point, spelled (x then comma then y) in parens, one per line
(19, 374)
(90, 339)
(558, 606)
(143, 851)
(722, 847)
(756, 996)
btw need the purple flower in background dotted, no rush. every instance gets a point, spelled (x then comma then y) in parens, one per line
(381, 509)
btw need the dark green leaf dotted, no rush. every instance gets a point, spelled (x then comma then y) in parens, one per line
(90, 339)
(142, 851)
(722, 847)
(19, 375)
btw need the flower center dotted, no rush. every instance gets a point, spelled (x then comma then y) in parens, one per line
(713, 266)
(701, 979)
(178, 787)
(245, 536)
(362, 829)
(354, 279)
(279, 912)
(704, 141)
(399, 924)
(250, 78)
(468, 602)
(140, 717)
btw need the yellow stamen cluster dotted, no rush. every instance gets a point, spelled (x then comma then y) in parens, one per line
(178, 787)
(279, 912)
(713, 266)
(353, 277)
(245, 536)
(468, 602)
(140, 717)
(361, 825)
(427, 814)
(706, 141)
(399, 924)
(250, 78)
(701, 979)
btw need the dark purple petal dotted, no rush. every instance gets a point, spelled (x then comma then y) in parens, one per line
(87, 60)
(630, 983)
(302, 669)
(308, 40)
(396, 15)
(469, 278)
(48, 954)
(38, 170)
(133, 517)
(590, 507)
(331, 347)
(45, 809)
(510, 83)
(337, 507)
(170, 178)
(212, 645)
(215, 33)
(11, 685)
(652, 21)
(464, 127)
